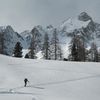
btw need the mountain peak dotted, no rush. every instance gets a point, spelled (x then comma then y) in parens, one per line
(9, 28)
(84, 17)
(49, 27)
(74, 23)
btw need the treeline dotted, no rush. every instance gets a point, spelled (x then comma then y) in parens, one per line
(79, 51)
(51, 48)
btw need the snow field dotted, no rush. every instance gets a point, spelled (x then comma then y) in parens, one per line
(48, 80)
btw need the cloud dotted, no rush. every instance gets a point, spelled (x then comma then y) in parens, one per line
(25, 14)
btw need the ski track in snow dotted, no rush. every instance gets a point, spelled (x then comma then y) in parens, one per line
(24, 93)
(13, 90)
(38, 86)
(67, 81)
(52, 69)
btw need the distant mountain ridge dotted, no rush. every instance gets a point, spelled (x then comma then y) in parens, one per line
(82, 25)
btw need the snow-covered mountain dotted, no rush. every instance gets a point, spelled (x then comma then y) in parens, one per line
(82, 25)
(27, 38)
(10, 39)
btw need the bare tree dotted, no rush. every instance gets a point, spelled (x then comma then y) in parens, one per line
(35, 43)
(55, 46)
(94, 52)
(46, 47)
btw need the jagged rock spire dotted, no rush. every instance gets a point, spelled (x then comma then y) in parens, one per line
(84, 17)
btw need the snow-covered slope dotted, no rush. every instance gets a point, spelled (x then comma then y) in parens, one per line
(49, 80)
(73, 23)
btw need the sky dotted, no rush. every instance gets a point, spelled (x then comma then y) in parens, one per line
(25, 14)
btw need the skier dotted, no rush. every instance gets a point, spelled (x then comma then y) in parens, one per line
(25, 81)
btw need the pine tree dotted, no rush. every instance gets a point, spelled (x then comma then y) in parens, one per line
(46, 47)
(27, 56)
(18, 50)
(74, 52)
(77, 49)
(56, 52)
(1, 43)
(99, 55)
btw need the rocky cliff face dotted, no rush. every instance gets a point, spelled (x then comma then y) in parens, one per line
(82, 25)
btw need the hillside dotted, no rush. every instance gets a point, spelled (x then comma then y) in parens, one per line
(49, 80)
